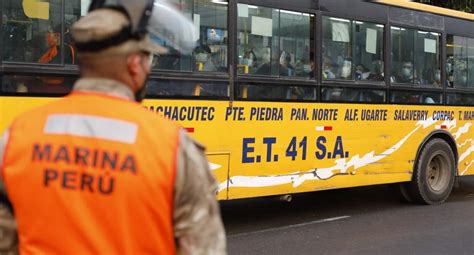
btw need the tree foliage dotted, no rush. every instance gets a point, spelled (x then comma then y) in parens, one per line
(460, 5)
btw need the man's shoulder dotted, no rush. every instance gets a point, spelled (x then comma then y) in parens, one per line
(32, 114)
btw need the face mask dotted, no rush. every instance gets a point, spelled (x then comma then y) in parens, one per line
(406, 72)
(201, 57)
(346, 69)
(307, 68)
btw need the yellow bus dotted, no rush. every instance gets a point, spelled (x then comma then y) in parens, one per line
(288, 96)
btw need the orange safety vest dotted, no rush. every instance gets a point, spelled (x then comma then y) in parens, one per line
(92, 174)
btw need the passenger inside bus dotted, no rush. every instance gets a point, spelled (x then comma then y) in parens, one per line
(345, 69)
(304, 68)
(203, 57)
(53, 41)
(437, 78)
(362, 72)
(460, 73)
(328, 72)
(286, 68)
(376, 74)
(405, 74)
(248, 62)
(309, 69)
(280, 65)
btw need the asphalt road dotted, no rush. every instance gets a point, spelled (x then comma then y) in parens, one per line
(369, 220)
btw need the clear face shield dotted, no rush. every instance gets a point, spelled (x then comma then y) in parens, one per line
(162, 22)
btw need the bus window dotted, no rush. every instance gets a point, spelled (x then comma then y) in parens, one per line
(411, 97)
(402, 56)
(32, 31)
(210, 55)
(331, 94)
(274, 42)
(277, 92)
(470, 64)
(296, 40)
(460, 99)
(185, 88)
(51, 85)
(427, 58)
(368, 57)
(337, 49)
(457, 61)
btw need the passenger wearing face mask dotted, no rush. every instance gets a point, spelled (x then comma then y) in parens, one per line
(203, 57)
(406, 74)
(249, 61)
(437, 78)
(460, 73)
(286, 69)
(345, 70)
(328, 72)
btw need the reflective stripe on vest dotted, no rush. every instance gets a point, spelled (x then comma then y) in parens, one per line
(92, 174)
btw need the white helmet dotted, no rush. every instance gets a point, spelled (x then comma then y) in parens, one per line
(156, 19)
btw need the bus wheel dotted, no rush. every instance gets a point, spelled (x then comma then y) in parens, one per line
(434, 174)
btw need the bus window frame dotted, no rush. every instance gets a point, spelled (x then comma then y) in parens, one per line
(454, 89)
(443, 96)
(231, 77)
(62, 64)
(313, 12)
(441, 49)
(459, 92)
(422, 88)
(35, 73)
(278, 83)
(359, 83)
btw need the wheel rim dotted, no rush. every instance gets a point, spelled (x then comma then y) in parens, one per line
(438, 173)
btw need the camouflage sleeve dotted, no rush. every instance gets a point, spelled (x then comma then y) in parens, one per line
(8, 236)
(197, 222)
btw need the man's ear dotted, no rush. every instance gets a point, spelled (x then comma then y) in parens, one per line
(134, 64)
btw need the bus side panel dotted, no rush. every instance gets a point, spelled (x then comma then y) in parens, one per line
(281, 148)
(464, 137)
(260, 149)
(321, 147)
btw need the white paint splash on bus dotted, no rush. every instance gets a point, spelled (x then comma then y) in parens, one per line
(341, 166)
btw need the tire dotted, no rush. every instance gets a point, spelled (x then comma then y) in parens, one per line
(403, 192)
(434, 174)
